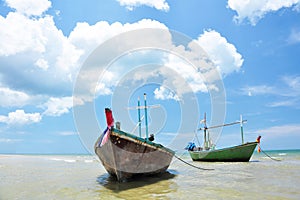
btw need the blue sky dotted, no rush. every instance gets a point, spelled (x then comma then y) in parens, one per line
(52, 102)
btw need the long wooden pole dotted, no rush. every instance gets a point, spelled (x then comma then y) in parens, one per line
(205, 129)
(242, 131)
(139, 118)
(146, 119)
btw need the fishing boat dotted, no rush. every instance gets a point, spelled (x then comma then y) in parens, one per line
(209, 153)
(125, 155)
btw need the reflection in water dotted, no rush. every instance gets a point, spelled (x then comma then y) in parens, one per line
(111, 183)
(160, 186)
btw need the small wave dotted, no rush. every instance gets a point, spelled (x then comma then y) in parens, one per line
(88, 161)
(55, 159)
(63, 159)
(69, 160)
(282, 154)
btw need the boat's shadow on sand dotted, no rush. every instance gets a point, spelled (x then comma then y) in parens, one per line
(111, 183)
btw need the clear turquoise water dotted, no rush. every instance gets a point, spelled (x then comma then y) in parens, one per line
(83, 177)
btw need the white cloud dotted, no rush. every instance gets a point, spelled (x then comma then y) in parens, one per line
(50, 61)
(87, 37)
(254, 10)
(185, 75)
(178, 75)
(41, 63)
(23, 34)
(58, 106)
(221, 52)
(20, 117)
(158, 4)
(29, 7)
(164, 94)
(11, 98)
(35, 44)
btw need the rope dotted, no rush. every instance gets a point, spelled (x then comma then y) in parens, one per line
(269, 156)
(191, 164)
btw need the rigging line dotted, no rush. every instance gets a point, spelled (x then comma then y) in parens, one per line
(197, 138)
(137, 124)
(269, 155)
(191, 164)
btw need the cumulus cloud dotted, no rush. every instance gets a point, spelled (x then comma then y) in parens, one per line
(185, 79)
(221, 52)
(165, 94)
(10, 98)
(175, 72)
(43, 61)
(38, 53)
(46, 62)
(158, 4)
(58, 106)
(254, 10)
(21, 118)
(87, 37)
(29, 7)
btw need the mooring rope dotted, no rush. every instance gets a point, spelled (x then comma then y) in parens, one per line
(269, 155)
(191, 164)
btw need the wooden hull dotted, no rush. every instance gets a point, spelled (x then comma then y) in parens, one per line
(240, 153)
(125, 155)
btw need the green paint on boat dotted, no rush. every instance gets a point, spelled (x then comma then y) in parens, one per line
(208, 153)
(240, 153)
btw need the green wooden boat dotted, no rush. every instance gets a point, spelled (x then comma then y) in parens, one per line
(208, 153)
(239, 153)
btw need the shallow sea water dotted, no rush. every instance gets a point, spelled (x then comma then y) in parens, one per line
(83, 177)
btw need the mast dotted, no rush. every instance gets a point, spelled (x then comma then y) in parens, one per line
(207, 142)
(146, 119)
(139, 107)
(242, 131)
(205, 136)
(139, 117)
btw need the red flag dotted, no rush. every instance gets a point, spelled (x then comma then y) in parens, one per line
(258, 139)
(109, 117)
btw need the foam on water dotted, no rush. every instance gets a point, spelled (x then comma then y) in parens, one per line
(282, 154)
